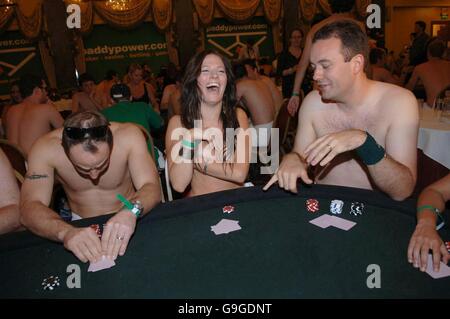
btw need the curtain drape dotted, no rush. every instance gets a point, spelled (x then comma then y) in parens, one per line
(29, 17)
(238, 10)
(205, 10)
(272, 10)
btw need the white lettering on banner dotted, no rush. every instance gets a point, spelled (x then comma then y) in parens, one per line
(74, 18)
(374, 19)
(114, 50)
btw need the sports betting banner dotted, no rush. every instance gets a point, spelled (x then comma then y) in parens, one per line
(18, 56)
(108, 48)
(226, 38)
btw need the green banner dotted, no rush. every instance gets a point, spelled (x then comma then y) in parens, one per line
(107, 48)
(225, 37)
(18, 56)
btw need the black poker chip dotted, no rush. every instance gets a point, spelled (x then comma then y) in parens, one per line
(50, 283)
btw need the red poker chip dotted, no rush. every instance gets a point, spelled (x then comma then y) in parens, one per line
(312, 205)
(96, 228)
(228, 209)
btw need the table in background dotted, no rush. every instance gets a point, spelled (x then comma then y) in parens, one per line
(276, 254)
(433, 156)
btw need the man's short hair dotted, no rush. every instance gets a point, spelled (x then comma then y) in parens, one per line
(110, 74)
(28, 83)
(239, 70)
(85, 77)
(375, 55)
(120, 91)
(436, 48)
(421, 24)
(250, 62)
(353, 40)
(338, 6)
(87, 119)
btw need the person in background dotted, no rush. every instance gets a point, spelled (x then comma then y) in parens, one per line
(418, 49)
(141, 91)
(288, 61)
(88, 99)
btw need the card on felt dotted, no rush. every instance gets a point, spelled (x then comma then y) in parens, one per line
(341, 223)
(322, 221)
(225, 226)
(444, 270)
(104, 263)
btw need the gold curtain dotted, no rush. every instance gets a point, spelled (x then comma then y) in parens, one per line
(86, 13)
(80, 62)
(238, 10)
(308, 9)
(5, 16)
(162, 13)
(47, 62)
(29, 17)
(124, 15)
(205, 10)
(361, 7)
(325, 6)
(272, 10)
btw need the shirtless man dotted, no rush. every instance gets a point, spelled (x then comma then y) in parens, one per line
(352, 113)
(92, 172)
(256, 98)
(194, 156)
(32, 118)
(341, 10)
(89, 98)
(377, 58)
(252, 73)
(434, 74)
(9, 197)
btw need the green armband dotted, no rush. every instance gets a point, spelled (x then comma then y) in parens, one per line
(436, 211)
(295, 94)
(370, 151)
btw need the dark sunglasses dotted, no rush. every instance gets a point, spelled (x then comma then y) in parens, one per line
(79, 133)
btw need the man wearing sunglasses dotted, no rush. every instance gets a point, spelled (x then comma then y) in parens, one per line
(33, 117)
(94, 161)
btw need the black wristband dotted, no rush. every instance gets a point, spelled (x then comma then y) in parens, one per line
(370, 151)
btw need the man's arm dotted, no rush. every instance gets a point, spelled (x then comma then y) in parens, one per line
(413, 80)
(425, 236)
(56, 120)
(401, 149)
(75, 103)
(41, 220)
(9, 197)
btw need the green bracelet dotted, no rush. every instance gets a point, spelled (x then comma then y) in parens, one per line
(295, 94)
(435, 211)
(370, 151)
(190, 145)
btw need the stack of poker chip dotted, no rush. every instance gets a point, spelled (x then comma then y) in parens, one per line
(50, 283)
(357, 208)
(336, 206)
(447, 245)
(228, 209)
(312, 205)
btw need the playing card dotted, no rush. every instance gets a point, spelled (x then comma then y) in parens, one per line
(104, 263)
(322, 221)
(225, 226)
(444, 270)
(341, 223)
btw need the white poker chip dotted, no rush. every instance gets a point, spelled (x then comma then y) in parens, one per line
(336, 206)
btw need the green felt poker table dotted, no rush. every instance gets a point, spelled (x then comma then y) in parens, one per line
(276, 254)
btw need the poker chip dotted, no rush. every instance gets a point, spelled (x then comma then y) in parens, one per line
(357, 208)
(312, 205)
(447, 245)
(50, 283)
(228, 209)
(96, 228)
(336, 206)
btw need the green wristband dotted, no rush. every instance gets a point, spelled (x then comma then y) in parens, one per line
(370, 151)
(188, 144)
(295, 94)
(436, 212)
